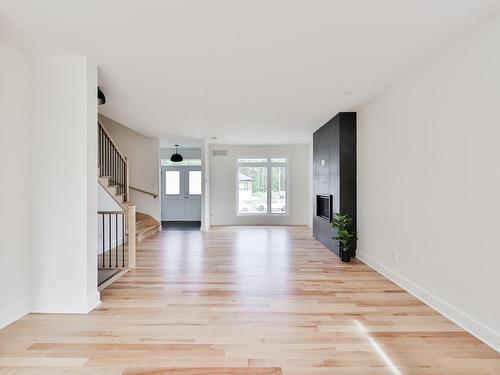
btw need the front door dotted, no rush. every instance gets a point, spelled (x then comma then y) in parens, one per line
(181, 193)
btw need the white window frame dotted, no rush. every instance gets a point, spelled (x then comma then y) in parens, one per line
(268, 164)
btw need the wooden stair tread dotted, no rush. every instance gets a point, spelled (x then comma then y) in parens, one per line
(140, 215)
(147, 228)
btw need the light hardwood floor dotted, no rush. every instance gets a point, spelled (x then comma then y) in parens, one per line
(246, 300)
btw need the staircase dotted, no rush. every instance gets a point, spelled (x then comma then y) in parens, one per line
(145, 226)
(113, 175)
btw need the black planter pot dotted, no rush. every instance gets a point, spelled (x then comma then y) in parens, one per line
(345, 256)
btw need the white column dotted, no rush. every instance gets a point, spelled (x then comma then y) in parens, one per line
(205, 186)
(63, 184)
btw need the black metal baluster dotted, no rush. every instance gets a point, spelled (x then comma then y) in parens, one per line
(104, 154)
(114, 165)
(109, 222)
(126, 179)
(103, 243)
(121, 174)
(109, 165)
(109, 169)
(123, 240)
(116, 242)
(105, 166)
(103, 163)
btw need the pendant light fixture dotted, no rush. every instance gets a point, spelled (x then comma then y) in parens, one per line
(176, 158)
(101, 99)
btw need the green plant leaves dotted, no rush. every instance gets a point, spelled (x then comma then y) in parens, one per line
(345, 235)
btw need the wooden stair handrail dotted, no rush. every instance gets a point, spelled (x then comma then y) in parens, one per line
(144, 191)
(112, 212)
(111, 140)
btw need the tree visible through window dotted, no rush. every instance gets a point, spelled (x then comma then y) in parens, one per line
(262, 185)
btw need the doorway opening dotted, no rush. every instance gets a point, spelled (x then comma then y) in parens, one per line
(181, 195)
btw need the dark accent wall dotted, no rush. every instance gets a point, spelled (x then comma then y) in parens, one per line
(335, 143)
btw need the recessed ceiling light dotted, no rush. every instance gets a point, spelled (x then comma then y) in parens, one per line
(347, 92)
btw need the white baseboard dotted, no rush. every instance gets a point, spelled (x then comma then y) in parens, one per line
(13, 314)
(471, 325)
(94, 301)
(57, 306)
(17, 312)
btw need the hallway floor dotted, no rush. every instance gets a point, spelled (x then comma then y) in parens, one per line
(180, 225)
(246, 300)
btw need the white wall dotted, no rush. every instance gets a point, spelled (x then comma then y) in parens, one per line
(14, 216)
(63, 170)
(143, 155)
(223, 185)
(93, 296)
(105, 202)
(429, 183)
(310, 178)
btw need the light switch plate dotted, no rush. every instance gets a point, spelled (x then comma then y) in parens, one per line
(323, 162)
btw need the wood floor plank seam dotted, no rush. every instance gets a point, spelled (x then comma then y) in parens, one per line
(246, 300)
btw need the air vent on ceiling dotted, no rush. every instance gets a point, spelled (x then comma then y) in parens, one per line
(219, 152)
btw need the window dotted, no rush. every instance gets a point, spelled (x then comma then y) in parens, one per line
(278, 160)
(172, 182)
(262, 185)
(278, 190)
(194, 185)
(185, 162)
(253, 190)
(252, 160)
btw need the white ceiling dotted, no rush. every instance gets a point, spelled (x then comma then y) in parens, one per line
(253, 71)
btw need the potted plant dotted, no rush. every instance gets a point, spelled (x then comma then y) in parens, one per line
(345, 235)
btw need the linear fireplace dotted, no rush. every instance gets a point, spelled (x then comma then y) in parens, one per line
(334, 172)
(324, 206)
